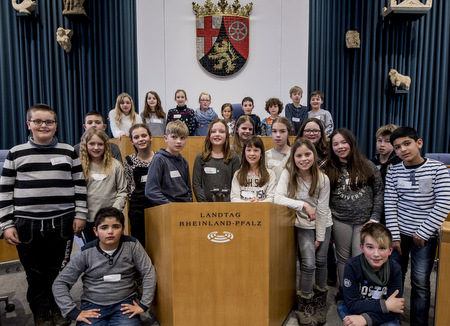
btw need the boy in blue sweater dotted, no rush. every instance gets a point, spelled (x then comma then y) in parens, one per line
(372, 286)
(416, 201)
(109, 266)
(168, 178)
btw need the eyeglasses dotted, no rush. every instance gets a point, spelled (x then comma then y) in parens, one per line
(39, 122)
(202, 100)
(311, 131)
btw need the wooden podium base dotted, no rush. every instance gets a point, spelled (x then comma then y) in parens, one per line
(222, 263)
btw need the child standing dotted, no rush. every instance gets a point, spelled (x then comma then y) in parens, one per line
(294, 111)
(316, 100)
(94, 119)
(105, 179)
(356, 194)
(386, 157)
(253, 182)
(123, 116)
(215, 166)
(243, 130)
(227, 114)
(182, 112)
(109, 266)
(417, 201)
(247, 107)
(43, 202)
(274, 107)
(372, 289)
(204, 115)
(313, 130)
(277, 157)
(168, 178)
(154, 116)
(306, 189)
(136, 171)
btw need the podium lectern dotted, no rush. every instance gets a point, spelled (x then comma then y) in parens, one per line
(222, 263)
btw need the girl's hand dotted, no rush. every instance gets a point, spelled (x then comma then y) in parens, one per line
(310, 211)
(317, 244)
(133, 309)
(85, 314)
(121, 135)
(354, 320)
(254, 200)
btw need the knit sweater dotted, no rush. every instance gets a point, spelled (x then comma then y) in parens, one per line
(107, 279)
(417, 200)
(184, 114)
(360, 205)
(125, 123)
(41, 182)
(319, 203)
(156, 125)
(106, 189)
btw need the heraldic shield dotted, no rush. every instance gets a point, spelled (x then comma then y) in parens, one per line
(222, 37)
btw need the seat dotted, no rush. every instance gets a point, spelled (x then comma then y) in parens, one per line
(443, 157)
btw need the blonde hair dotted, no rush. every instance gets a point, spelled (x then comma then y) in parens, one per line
(177, 128)
(386, 130)
(118, 112)
(379, 232)
(204, 93)
(296, 89)
(207, 146)
(107, 161)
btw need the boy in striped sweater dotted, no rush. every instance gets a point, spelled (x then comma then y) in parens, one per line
(417, 201)
(42, 204)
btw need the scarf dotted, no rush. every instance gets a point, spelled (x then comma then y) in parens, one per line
(379, 278)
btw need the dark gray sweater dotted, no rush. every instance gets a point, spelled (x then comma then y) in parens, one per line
(361, 205)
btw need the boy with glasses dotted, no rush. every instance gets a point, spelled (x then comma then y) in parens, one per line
(42, 204)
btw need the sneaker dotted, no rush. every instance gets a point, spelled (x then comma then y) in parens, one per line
(43, 320)
(59, 320)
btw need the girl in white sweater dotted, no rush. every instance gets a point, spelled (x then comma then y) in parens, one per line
(123, 116)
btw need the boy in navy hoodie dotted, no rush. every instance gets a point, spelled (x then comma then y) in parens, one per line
(372, 286)
(168, 178)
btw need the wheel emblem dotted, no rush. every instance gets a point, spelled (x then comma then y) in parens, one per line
(237, 31)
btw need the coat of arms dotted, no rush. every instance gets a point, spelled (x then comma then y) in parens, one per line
(222, 36)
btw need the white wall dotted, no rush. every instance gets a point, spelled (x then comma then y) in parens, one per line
(278, 55)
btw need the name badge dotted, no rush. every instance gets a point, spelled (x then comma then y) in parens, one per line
(295, 119)
(112, 278)
(247, 194)
(210, 170)
(144, 179)
(404, 184)
(177, 116)
(59, 160)
(98, 176)
(175, 174)
(156, 120)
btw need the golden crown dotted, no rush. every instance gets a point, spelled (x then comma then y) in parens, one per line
(222, 8)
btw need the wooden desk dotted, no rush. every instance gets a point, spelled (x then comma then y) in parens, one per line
(443, 286)
(7, 252)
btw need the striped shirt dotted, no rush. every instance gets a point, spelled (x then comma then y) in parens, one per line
(417, 200)
(42, 182)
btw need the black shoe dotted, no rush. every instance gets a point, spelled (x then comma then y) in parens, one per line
(58, 319)
(43, 320)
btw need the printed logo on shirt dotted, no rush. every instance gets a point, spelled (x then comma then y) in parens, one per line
(347, 283)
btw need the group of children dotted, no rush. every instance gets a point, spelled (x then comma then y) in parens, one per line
(48, 192)
(124, 115)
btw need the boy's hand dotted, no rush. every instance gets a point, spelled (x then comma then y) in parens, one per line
(317, 244)
(254, 200)
(395, 304)
(78, 225)
(85, 314)
(418, 241)
(11, 236)
(310, 211)
(354, 320)
(397, 246)
(133, 309)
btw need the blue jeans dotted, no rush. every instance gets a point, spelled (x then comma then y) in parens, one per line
(312, 261)
(422, 260)
(110, 315)
(343, 312)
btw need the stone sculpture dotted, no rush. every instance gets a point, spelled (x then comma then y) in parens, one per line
(398, 80)
(63, 37)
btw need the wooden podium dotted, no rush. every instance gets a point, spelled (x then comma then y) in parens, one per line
(443, 285)
(222, 263)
